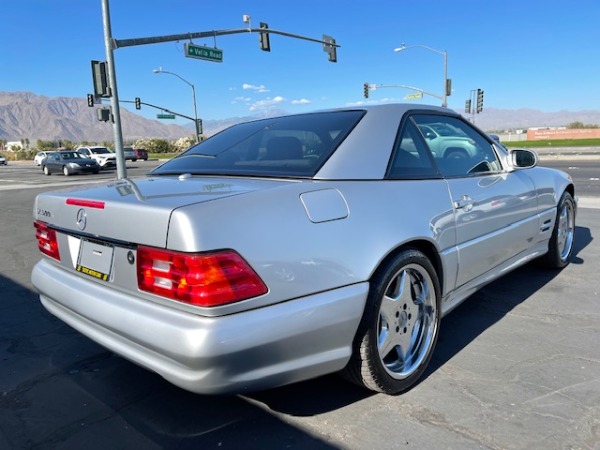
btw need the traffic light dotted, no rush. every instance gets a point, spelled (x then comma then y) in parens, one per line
(366, 87)
(479, 100)
(265, 43)
(90, 99)
(330, 48)
(138, 103)
(100, 79)
(468, 106)
(448, 87)
(103, 114)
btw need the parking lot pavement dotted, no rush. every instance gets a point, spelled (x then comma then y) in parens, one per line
(517, 367)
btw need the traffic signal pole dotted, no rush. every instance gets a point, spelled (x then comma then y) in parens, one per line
(114, 95)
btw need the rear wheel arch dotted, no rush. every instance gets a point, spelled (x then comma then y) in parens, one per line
(422, 245)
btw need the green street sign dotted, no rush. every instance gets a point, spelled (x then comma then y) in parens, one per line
(414, 96)
(203, 52)
(165, 116)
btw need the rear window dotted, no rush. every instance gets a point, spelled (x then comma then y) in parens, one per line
(290, 146)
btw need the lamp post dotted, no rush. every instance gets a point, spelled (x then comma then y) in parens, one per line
(160, 70)
(445, 55)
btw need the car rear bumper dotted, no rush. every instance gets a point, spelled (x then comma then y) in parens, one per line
(90, 169)
(252, 350)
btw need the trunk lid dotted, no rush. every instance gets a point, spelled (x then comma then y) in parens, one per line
(136, 210)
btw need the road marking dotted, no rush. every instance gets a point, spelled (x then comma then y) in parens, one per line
(589, 202)
(45, 185)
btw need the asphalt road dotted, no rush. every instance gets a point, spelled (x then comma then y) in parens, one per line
(517, 367)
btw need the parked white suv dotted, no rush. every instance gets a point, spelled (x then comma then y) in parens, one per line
(103, 155)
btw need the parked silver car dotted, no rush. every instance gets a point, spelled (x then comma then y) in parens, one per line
(287, 248)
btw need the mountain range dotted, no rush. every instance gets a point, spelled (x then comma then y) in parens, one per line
(27, 115)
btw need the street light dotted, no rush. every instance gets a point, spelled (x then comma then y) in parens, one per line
(160, 70)
(444, 54)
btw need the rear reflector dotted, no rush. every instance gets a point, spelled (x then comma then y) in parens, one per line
(46, 237)
(200, 279)
(87, 203)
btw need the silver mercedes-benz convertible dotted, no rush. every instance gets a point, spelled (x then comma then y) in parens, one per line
(283, 249)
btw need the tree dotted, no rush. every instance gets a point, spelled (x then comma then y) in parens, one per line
(155, 145)
(579, 125)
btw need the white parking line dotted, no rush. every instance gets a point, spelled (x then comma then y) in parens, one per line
(589, 202)
(21, 185)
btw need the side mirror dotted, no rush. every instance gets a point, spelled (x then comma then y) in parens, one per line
(523, 158)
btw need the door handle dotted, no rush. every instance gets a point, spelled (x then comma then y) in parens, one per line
(465, 203)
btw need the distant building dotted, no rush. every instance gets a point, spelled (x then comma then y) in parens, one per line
(11, 144)
(539, 134)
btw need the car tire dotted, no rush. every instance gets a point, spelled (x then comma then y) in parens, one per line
(560, 247)
(402, 310)
(65, 171)
(134, 160)
(96, 172)
(456, 153)
(46, 170)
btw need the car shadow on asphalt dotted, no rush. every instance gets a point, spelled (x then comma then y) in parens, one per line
(489, 305)
(59, 389)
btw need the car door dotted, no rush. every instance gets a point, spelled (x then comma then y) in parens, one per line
(495, 209)
(52, 162)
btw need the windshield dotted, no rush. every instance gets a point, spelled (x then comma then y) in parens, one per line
(70, 155)
(290, 146)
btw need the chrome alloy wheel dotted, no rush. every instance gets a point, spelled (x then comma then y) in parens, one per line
(407, 321)
(566, 230)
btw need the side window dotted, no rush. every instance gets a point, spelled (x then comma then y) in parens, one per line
(457, 148)
(411, 159)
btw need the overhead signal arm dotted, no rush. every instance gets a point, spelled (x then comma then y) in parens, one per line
(329, 44)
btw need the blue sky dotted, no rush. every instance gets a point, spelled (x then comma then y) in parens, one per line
(524, 54)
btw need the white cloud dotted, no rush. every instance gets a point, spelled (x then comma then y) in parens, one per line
(252, 87)
(302, 101)
(267, 103)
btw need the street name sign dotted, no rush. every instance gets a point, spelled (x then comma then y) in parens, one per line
(414, 96)
(203, 52)
(165, 116)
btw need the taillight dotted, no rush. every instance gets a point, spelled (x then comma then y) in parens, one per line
(205, 279)
(46, 237)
